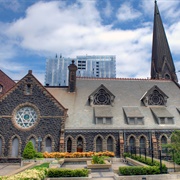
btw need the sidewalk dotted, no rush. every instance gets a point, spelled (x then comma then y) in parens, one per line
(100, 174)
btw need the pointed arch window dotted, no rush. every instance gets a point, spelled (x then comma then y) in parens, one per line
(48, 144)
(110, 144)
(79, 144)
(142, 142)
(99, 144)
(69, 145)
(15, 147)
(33, 142)
(28, 89)
(163, 142)
(132, 142)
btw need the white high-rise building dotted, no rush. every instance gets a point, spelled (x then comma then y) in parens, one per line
(88, 66)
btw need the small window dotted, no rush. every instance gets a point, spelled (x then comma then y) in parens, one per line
(140, 121)
(170, 121)
(28, 89)
(162, 120)
(99, 120)
(1, 88)
(131, 120)
(108, 120)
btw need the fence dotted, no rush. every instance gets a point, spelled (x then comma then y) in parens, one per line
(165, 154)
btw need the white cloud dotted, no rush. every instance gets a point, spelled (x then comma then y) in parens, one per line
(126, 12)
(54, 27)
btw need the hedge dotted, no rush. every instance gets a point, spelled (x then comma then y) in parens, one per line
(147, 161)
(67, 173)
(139, 170)
(154, 167)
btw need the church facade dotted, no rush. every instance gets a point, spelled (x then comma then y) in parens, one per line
(93, 114)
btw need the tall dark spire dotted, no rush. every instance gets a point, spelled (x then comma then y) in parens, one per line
(162, 66)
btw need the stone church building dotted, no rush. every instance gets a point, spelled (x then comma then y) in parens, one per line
(93, 114)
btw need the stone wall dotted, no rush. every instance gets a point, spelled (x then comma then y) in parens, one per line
(49, 117)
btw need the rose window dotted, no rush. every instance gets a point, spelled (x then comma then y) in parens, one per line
(26, 117)
(156, 98)
(102, 98)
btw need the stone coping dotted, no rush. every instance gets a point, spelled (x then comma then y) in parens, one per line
(98, 166)
(70, 178)
(134, 162)
(148, 177)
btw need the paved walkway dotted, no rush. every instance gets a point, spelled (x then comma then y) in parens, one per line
(100, 174)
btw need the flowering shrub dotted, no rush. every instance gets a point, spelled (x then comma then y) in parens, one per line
(34, 174)
(76, 154)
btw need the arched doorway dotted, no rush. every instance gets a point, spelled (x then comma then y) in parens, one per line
(48, 145)
(69, 145)
(79, 144)
(99, 144)
(110, 144)
(15, 147)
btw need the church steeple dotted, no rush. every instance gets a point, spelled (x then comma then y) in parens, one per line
(162, 66)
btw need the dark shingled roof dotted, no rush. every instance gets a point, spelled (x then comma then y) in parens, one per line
(6, 82)
(162, 62)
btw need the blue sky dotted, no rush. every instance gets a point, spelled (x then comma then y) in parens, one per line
(32, 30)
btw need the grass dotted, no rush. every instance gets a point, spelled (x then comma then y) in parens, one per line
(44, 165)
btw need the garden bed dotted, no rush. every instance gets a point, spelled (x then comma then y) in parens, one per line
(107, 165)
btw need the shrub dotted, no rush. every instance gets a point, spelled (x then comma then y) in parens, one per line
(67, 173)
(76, 154)
(38, 155)
(139, 170)
(98, 159)
(29, 151)
(147, 161)
(35, 174)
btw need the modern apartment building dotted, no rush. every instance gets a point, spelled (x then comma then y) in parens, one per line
(103, 66)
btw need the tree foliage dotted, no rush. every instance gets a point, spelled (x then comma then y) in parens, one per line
(29, 151)
(174, 146)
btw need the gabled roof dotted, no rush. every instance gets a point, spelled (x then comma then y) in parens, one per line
(101, 87)
(29, 78)
(152, 89)
(160, 51)
(6, 82)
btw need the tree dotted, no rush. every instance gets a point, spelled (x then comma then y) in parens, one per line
(174, 146)
(29, 151)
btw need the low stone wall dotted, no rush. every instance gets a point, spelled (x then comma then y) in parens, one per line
(134, 162)
(11, 160)
(148, 177)
(71, 178)
(98, 166)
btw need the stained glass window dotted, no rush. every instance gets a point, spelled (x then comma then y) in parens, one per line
(26, 117)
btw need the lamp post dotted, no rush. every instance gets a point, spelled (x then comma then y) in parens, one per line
(39, 143)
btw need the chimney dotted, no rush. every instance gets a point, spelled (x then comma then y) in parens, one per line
(72, 77)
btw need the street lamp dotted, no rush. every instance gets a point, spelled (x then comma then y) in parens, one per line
(39, 143)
